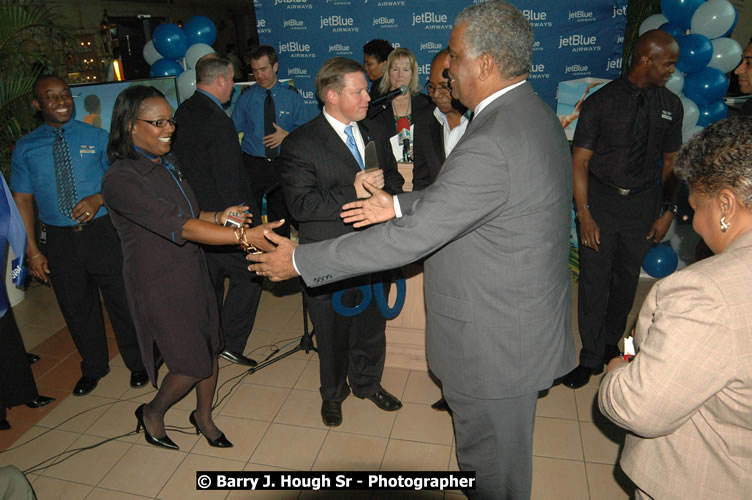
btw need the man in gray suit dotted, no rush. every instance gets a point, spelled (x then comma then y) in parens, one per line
(495, 228)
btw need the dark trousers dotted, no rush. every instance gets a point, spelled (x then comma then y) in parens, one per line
(495, 440)
(264, 175)
(238, 309)
(81, 264)
(17, 384)
(609, 277)
(350, 348)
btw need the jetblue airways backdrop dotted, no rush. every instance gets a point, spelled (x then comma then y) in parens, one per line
(573, 38)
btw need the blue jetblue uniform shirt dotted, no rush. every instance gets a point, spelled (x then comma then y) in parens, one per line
(33, 167)
(248, 114)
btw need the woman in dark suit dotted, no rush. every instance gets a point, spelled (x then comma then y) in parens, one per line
(169, 291)
(401, 70)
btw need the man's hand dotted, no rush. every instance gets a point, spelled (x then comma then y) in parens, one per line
(257, 236)
(275, 139)
(373, 176)
(590, 233)
(86, 209)
(239, 212)
(275, 264)
(38, 266)
(378, 208)
(660, 227)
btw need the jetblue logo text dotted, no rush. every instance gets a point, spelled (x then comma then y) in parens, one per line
(432, 20)
(294, 4)
(339, 23)
(580, 43)
(537, 19)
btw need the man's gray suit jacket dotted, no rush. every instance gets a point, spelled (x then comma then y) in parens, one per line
(495, 227)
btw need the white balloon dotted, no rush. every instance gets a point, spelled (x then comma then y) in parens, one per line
(727, 54)
(688, 133)
(713, 18)
(196, 52)
(652, 23)
(150, 53)
(691, 113)
(186, 84)
(675, 82)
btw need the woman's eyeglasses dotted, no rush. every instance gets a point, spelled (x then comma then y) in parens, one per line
(430, 87)
(158, 123)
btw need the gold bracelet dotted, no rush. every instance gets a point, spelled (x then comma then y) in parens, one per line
(216, 220)
(584, 207)
(35, 256)
(244, 244)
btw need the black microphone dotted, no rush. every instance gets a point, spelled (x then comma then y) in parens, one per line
(389, 96)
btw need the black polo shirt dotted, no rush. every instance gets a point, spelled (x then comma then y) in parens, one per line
(606, 127)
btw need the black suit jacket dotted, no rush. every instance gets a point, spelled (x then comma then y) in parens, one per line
(317, 173)
(207, 146)
(428, 149)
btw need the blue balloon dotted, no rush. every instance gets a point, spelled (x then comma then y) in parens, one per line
(165, 67)
(672, 29)
(695, 52)
(680, 11)
(705, 86)
(170, 41)
(711, 113)
(200, 29)
(660, 261)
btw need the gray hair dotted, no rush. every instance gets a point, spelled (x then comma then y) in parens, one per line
(499, 29)
(719, 157)
(209, 67)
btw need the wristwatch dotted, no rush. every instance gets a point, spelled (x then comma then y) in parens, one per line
(670, 207)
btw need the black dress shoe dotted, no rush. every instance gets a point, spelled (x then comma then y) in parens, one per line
(85, 385)
(331, 413)
(441, 405)
(40, 401)
(164, 441)
(384, 400)
(32, 358)
(580, 376)
(139, 379)
(220, 442)
(4, 425)
(237, 358)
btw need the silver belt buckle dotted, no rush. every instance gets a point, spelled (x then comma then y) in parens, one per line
(623, 192)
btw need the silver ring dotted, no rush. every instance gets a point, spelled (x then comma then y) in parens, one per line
(585, 242)
(87, 214)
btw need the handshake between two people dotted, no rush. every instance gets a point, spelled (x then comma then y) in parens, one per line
(376, 206)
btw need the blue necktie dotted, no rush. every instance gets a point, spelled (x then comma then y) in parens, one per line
(66, 184)
(353, 147)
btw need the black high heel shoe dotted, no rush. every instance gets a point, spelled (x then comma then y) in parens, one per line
(220, 442)
(164, 442)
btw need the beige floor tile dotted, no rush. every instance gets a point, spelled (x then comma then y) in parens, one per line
(178, 428)
(559, 402)
(143, 470)
(263, 495)
(76, 414)
(47, 488)
(608, 482)
(104, 494)
(115, 384)
(255, 401)
(301, 408)
(394, 380)
(88, 466)
(601, 442)
(34, 335)
(245, 435)
(420, 422)
(555, 479)
(361, 416)
(411, 455)
(289, 446)
(557, 438)
(454, 495)
(309, 380)
(453, 465)
(335, 495)
(587, 406)
(118, 420)
(36, 446)
(182, 484)
(421, 388)
(342, 451)
(117, 360)
(284, 373)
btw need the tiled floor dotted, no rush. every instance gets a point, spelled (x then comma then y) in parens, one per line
(272, 417)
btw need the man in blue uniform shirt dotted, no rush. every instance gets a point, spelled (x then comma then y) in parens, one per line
(60, 166)
(266, 113)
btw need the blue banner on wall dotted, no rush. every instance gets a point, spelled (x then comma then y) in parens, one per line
(573, 39)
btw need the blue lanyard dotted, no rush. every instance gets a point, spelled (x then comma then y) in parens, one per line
(172, 169)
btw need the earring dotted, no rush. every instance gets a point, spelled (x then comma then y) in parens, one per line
(724, 224)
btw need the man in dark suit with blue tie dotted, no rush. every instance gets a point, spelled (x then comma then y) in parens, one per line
(322, 167)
